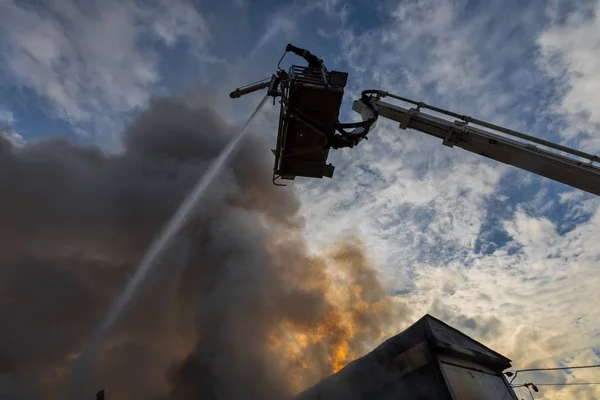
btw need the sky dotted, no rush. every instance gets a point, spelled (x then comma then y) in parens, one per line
(506, 256)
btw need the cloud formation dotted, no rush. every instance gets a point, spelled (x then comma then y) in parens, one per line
(93, 62)
(7, 121)
(569, 54)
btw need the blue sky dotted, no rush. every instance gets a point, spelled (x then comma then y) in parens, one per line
(453, 234)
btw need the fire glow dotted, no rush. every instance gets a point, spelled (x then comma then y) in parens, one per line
(357, 315)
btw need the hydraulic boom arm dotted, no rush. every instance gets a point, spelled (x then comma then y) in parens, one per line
(576, 168)
(309, 127)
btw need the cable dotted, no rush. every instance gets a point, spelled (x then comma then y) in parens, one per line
(511, 373)
(365, 125)
(559, 368)
(530, 394)
(560, 384)
(534, 386)
(254, 83)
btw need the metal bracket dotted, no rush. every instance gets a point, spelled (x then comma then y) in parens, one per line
(449, 139)
(453, 132)
(456, 130)
(275, 177)
(303, 118)
(407, 117)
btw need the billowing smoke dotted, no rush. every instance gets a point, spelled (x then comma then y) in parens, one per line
(237, 308)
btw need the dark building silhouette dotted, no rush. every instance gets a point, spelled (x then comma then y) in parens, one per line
(429, 360)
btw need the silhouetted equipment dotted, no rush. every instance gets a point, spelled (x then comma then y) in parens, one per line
(308, 121)
(429, 360)
(237, 93)
(312, 60)
(310, 107)
(100, 395)
(309, 127)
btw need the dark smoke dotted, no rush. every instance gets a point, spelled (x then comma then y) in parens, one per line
(74, 221)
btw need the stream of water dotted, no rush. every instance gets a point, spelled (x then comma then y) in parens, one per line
(81, 373)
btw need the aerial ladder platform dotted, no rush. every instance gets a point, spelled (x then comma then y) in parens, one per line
(309, 127)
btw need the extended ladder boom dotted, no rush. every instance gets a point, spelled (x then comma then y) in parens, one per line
(525, 155)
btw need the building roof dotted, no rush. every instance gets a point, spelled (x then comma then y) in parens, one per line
(368, 372)
(442, 337)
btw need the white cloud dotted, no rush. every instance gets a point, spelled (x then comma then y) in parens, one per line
(405, 213)
(92, 61)
(279, 25)
(541, 286)
(569, 52)
(173, 20)
(534, 233)
(283, 24)
(7, 121)
(411, 197)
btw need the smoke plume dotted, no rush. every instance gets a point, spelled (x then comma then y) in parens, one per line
(237, 308)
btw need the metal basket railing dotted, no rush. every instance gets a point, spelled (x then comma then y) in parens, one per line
(315, 76)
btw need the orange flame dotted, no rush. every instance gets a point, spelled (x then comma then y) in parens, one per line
(355, 317)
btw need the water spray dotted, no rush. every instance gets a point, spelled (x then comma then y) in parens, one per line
(79, 387)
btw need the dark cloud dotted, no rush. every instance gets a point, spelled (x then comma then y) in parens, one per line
(217, 317)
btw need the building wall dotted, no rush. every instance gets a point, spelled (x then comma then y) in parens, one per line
(470, 381)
